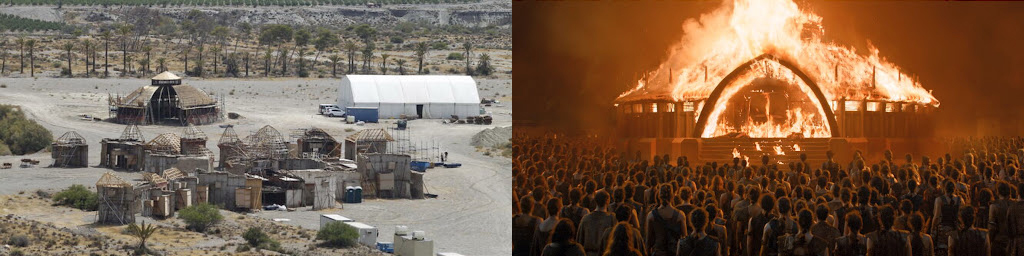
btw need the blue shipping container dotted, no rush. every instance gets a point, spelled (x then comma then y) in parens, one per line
(369, 115)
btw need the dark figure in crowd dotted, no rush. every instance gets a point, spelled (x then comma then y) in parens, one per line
(757, 237)
(698, 243)
(620, 243)
(543, 233)
(968, 240)
(944, 217)
(997, 231)
(562, 243)
(822, 229)
(920, 243)
(853, 243)
(804, 242)
(886, 241)
(592, 225)
(665, 225)
(524, 226)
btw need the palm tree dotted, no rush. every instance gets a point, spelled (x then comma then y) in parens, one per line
(367, 57)
(401, 66)
(125, 31)
(142, 232)
(68, 46)
(88, 50)
(351, 48)
(161, 62)
(21, 53)
(31, 44)
(216, 54)
(384, 63)
(334, 64)
(469, 47)
(421, 52)
(148, 49)
(106, 35)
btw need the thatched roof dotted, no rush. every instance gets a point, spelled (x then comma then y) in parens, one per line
(188, 95)
(166, 75)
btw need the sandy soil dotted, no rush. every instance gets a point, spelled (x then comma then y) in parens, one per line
(471, 216)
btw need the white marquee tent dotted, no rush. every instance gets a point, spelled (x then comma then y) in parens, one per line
(417, 96)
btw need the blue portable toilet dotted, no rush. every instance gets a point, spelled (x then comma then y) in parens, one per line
(350, 193)
(358, 194)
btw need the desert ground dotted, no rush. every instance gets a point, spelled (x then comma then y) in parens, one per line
(471, 216)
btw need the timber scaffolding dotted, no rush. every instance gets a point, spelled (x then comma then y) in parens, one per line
(193, 142)
(315, 143)
(70, 150)
(165, 100)
(116, 197)
(262, 148)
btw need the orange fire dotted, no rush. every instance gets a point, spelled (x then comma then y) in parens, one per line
(714, 45)
(735, 153)
(796, 147)
(757, 146)
(778, 150)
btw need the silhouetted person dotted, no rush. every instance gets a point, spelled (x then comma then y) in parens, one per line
(944, 217)
(968, 240)
(664, 225)
(543, 233)
(997, 213)
(757, 238)
(853, 243)
(886, 241)
(621, 241)
(524, 226)
(822, 229)
(804, 242)
(920, 243)
(592, 225)
(698, 243)
(562, 243)
(716, 230)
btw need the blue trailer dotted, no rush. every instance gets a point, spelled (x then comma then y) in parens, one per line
(369, 115)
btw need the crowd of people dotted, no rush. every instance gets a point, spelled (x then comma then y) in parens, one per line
(577, 197)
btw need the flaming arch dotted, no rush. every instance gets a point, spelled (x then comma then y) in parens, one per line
(721, 94)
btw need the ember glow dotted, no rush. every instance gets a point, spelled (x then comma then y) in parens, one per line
(796, 147)
(778, 150)
(718, 43)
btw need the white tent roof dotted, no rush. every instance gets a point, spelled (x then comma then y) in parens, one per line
(413, 89)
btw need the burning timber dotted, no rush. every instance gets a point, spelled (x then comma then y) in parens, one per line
(766, 77)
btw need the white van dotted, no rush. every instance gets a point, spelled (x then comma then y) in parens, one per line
(325, 107)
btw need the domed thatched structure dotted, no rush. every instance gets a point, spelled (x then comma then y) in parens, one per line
(165, 101)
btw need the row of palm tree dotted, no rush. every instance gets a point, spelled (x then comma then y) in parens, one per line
(286, 45)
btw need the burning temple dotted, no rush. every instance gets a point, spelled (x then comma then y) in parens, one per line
(165, 101)
(755, 78)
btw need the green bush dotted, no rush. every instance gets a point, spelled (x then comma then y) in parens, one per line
(256, 238)
(338, 234)
(455, 56)
(243, 248)
(18, 241)
(21, 136)
(17, 252)
(77, 196)
(200, 217)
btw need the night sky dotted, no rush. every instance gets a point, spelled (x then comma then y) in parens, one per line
(576, 57)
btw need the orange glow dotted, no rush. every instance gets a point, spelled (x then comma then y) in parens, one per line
(796, 147)
(717, 43)
(757, 146)
(778, 150)
(735, 153)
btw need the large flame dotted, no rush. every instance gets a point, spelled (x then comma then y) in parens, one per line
(740, 30)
